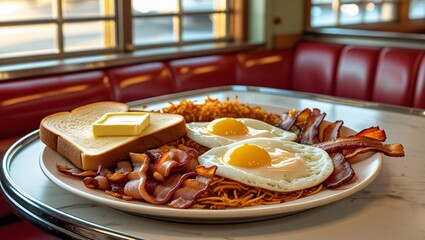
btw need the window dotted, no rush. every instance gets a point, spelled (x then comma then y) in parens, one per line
(43, 27)
(173, 22)
(57, 29)
(328, 13)
(417, 9)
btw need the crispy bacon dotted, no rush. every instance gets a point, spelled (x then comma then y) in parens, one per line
(373, 132)
(76, 172)
(310, 132)
(343, 172)
(177, 160)
(121, 172)
(288, 120)
(162, 192)
(98, 182)
(154, 154)
(332, 130)
(353, 142)
(191, 189)
(302, 116)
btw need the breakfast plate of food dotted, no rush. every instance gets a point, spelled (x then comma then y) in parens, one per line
(213, 162)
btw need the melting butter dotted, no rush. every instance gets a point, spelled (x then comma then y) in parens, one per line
(121, 124)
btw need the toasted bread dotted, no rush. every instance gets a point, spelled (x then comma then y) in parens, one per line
(70, 134)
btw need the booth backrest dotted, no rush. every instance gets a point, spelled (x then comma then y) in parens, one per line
(140, 81)
(265, 68)
(419, 97)
(314, 67)
(202, 72)
(356, 72)
(396, 76)
(23, 103)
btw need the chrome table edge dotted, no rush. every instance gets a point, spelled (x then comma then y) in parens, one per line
(45, 217)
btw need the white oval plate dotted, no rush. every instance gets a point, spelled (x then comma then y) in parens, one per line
(366, 170)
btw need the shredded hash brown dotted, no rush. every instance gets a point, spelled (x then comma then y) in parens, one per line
(223, 193)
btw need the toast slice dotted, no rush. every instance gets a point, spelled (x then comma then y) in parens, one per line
(70, 134)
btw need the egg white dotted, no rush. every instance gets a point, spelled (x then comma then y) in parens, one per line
(197, 131)
(318, 166)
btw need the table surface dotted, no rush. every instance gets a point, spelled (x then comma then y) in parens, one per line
(391, 207)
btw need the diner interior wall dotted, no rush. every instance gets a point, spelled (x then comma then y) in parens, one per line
(277, 23)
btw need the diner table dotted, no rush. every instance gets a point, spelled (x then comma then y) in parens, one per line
(386, 202)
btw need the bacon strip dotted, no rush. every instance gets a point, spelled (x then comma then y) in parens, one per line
(302, 116)
(179, 159)
(76, 172)
(154, 154)
(353, 142)
(373, 132)
(288, 120)
(343, 172)
(310, 131)
(332, 130)
(98, 182)
(121, 172)
(191, 189)
(163, 192)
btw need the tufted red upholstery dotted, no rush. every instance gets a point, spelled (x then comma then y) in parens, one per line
(24, 103)
(140, 81)
(201, 72)
(270, 68)
(396, 76)
(419, 96)
(315, 66)
(356, 72)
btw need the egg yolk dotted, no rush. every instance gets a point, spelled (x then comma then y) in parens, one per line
(227, 127)
(247, 155)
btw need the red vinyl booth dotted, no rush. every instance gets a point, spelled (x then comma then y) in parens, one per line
(265, 68)
(396, 76)
(201, 72)
(419, 96)
(314, 67)
(140, 81)
(356, 72)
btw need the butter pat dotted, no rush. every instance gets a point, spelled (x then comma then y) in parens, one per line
(121, 124)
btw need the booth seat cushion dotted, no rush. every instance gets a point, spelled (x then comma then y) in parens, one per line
(203, 72)
(356, 72)
(314, 67)
(140, 81)
(267, 68)
(419, 96)
(396, 76)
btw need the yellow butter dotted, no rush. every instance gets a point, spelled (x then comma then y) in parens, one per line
(121, 124)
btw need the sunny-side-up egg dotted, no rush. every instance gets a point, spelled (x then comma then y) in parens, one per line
(270, 164)
(223, 131)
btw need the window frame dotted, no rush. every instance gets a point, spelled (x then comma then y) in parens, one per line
(362, 3)
(12, 69)
(236, 12)
(402, 24)
(180, 14)
(60, 21)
